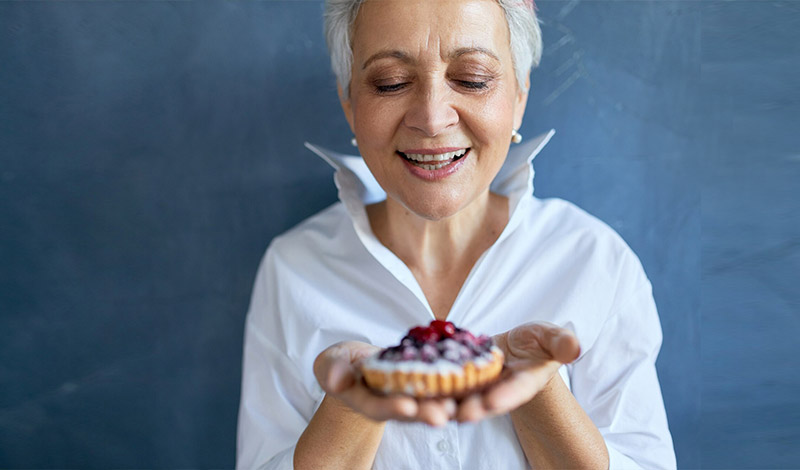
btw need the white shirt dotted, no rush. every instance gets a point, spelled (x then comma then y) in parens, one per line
(329, 279)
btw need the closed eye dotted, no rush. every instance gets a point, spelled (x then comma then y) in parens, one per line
(472, 85)
(390, 88)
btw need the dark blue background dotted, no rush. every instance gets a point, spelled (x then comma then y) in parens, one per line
(151, 150)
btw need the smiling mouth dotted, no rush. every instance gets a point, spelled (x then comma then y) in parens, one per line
(434, 162)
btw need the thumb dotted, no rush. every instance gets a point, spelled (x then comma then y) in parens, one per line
(341, 376)
(333, 370)
(565, 347)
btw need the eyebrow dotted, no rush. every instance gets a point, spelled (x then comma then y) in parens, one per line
(472, 50)
(405, 58)
(402, 56)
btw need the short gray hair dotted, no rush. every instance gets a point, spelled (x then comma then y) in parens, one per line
(523, 26)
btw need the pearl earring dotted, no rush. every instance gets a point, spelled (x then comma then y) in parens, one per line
(353, 142)
(516, 137)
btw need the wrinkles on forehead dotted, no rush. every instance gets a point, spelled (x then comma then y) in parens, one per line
(412, 31)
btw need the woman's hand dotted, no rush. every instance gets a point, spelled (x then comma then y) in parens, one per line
(336, 369)
(533, 354)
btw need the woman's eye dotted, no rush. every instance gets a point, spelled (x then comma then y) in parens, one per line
(472, 85)
(390, 88)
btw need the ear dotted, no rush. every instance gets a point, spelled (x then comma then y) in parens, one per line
(521, 102)
(346, 107)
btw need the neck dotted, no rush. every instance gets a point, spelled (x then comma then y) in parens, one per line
(440, 247)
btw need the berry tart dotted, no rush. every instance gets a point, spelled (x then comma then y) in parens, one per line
(439, 360)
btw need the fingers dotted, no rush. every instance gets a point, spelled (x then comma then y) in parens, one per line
(436, 412)
(340, 376)
(565, 347)
(471, 409)
(431, 411)
(449, 407)
(519, 388)
(379, 408)
(561, 343)
(335, 367)
(542, 341)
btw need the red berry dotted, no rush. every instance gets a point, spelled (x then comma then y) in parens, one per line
(430, 337)
(445, 328)
(416, 331)
(424, 334)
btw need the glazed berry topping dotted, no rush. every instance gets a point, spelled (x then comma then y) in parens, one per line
(444, 328)
(424, 334)
(429, 353)
(409, 354)
(439, 340)
(464, 337)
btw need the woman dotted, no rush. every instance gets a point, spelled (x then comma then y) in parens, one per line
(438, 221)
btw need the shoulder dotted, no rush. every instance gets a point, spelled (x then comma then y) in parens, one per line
(582, 247)
(295, 272)
(305, 262)
(564, 223)
(324, 234)
(561, 217)
(302, 246)
(320, 226)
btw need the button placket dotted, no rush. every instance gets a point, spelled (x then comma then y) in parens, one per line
(446, 444)
(443, 446)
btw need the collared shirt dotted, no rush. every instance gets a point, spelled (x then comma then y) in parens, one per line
(329, 279)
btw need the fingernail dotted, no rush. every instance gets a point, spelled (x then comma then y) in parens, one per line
(440, 422)
(408, 409)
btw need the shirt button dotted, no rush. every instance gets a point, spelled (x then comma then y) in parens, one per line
(443, 446)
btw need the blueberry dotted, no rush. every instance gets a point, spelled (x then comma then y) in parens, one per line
(451, 355)
(429, 353)
(410, 353)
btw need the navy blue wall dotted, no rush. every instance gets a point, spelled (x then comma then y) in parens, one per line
(149, 151)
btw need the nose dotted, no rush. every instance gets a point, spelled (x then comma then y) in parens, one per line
(431, 110)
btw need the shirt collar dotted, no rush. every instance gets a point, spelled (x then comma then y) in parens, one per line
(357, 187)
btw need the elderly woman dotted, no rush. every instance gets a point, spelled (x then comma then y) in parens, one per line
(437, 220)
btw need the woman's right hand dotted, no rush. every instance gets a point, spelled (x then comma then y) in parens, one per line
(336, 370)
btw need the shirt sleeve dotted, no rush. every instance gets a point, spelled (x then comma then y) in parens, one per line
(275, 404)
(615, 382)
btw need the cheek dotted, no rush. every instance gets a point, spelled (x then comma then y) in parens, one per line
(492, 118)
(375, 121)
(499, 113)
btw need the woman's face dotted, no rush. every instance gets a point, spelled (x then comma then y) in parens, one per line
(434, 81)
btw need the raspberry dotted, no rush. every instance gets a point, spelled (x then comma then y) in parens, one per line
(424, 334)
(445, 328)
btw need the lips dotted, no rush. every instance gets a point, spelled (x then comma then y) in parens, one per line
(430, 161)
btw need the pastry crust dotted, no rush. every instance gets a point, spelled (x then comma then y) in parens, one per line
(438, 379)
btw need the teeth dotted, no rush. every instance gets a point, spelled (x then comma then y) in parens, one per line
(418, 157)
(433, 167)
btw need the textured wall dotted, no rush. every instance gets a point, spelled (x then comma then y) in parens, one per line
(150, 150)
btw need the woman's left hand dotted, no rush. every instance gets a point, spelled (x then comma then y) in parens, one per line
(533, 354)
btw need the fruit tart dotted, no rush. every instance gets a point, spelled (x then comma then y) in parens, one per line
(439, 360)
